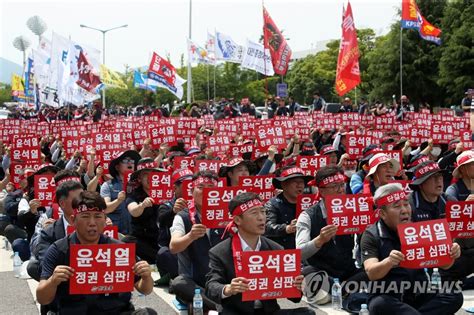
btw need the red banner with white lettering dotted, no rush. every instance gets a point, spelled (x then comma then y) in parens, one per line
(274, 40)
(261, 185)
(347, 73)
(271, 274)
(211, 165)
(271, 135)
(102, 268)
(160, 186)
(311, 164)
(425, 244)
(215, 206)
(305, 201)
(351, 213)
(45, 189)
(460, 218)
(88, 78)
(163, 135)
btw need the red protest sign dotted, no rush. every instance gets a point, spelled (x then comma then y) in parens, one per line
(261, 185)
(351, 213)
(106, 156)
(271, 135)
(180, 162)
(30, 155)
(219, 144)
(311, 164)
(160, 186)
(237, 150)
(45, 189)
(442, 132)
(425, 244)
(305, 201)
(355, 145)
(271, 274)
(460, 218)
(101, 268)
(163, 134)
(187, 189)
(215, 208)
(212, 165)
(110, 231)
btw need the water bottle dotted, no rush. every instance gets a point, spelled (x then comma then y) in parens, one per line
(363, 310)
(17, 265)
(336, 294)
(197, 302)
(436, 280)
(428, 277)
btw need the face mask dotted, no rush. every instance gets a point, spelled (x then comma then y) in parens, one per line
(349, 173)
(436, 151)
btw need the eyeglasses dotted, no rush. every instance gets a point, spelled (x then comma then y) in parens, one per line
(127, 161)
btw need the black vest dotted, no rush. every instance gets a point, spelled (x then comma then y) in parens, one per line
(335, 257)
(388, 241)
(199, 249)
(90, 304)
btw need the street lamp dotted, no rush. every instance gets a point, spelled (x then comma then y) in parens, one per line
(103, 47)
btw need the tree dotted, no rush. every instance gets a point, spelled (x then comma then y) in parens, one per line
(5, 93)
(457, 59)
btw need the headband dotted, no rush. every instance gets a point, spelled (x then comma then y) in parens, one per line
(291, 171)
(204, 180)
(68, 179)
(338, 178)
(391, 198)
(240, 210)
(84, 208)
(425, 169)
(146, 165)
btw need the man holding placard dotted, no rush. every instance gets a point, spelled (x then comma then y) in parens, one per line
(393, 259)
(104, 270)
(246, 271)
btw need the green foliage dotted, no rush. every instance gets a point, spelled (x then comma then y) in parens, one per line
(5, 93)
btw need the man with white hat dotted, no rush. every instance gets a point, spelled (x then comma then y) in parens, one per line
(462, 189)
(382, 170)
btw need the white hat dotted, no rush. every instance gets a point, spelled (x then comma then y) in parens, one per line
(381, 158)
(464, 158)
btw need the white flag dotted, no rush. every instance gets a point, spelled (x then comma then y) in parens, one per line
(227, 49)
(211, 48)
(196, 53)
(258, 59)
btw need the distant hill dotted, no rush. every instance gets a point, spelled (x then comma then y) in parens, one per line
(7, 68)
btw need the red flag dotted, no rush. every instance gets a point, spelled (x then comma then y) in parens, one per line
(273, 40)
(347, 74)
(412, 18)
(87, 79)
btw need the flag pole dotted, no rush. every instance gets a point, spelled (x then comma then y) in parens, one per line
(401, 62)
(264, 59)
(208, 84)
(189, 85)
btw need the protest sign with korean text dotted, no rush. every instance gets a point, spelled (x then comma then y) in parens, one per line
(306, 201)
(261, 185)
(102, 268)
(351, 213)
(311, 164)
(271, 274)
(215, 206)
(425, 244)
(45, 189)
(160, 186)
(460, 216)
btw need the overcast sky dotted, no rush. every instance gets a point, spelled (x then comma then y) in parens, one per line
(162, 25)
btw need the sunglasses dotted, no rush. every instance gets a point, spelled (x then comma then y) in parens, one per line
(127, 161)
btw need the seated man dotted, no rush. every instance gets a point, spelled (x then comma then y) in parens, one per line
(54, 230)
(89, 221)
(192, 241)
(381, 254)
(281, 221)
(321, 249)
(222, 285)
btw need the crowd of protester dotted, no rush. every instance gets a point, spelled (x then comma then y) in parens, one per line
(189, 255)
